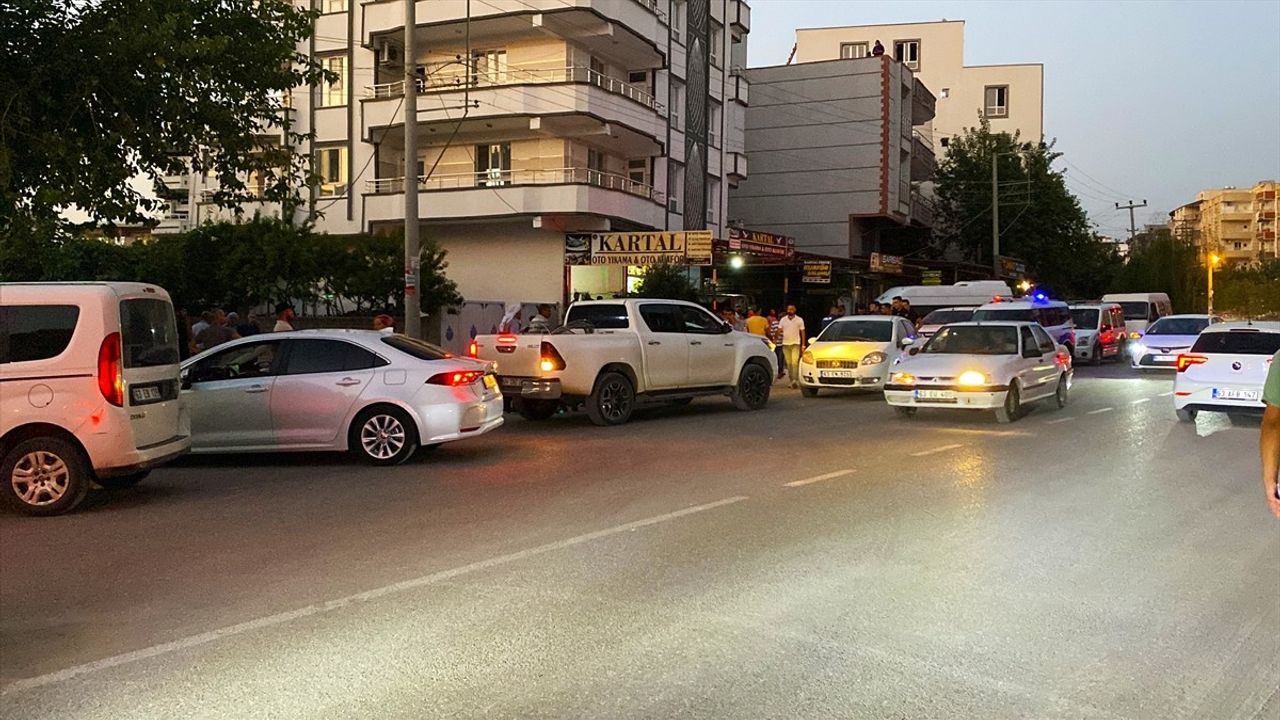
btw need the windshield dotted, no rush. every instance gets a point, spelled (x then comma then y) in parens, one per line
(1238, 342)
(1134, 310)
(974, 340)
(1085, 318)
(148, 333)
(1005, 314)
(602, 317)
(857, 331)
(1178, 326)
(944, 317)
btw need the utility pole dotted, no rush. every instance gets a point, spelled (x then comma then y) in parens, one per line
(995, 216)
(1133, 229)
(412, 263)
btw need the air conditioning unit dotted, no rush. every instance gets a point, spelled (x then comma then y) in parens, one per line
(388, 53)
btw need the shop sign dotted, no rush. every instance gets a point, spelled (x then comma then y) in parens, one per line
(1012, 267)
(891, 264)
(754, 242)
(816, 272)
(931, 277)
(638, 248)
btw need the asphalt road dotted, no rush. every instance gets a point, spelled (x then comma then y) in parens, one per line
(822, 558)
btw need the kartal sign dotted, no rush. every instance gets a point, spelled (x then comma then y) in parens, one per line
(692, 247)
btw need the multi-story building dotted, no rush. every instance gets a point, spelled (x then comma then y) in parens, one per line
(1010, 96)
(536, 118)
(1184, 223)
(835, 155)
(1265, 209)
(1226, 219)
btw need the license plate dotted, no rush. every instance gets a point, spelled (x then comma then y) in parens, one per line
(491, 382)
(1232, 394)
(935, 395)
(150, 393)
(1164, 358)
(836, 373)
(511, 383)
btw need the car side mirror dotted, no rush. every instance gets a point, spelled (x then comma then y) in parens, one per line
(906, 341)
(726, 328)
(184, 379)
(914, 351)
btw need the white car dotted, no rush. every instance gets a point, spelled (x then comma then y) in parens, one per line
(88, 390)
(944, 316)
(1053, 316)
(1100, 331)
(1167, 338)
(1225, 369)
(379, 396)
(998, 366)
(854, 352)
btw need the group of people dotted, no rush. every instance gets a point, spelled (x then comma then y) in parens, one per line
(899, 306)
(542, 321)
(786, 332)
(217, 326)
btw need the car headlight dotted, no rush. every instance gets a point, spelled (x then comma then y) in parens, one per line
(1135, 335)
(807, 357)
(902, 379)
(1138, 349)
(873, 358)
(973, 377)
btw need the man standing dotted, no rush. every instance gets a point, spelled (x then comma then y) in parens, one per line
(906, 312)
(217, 332)
(757, 324)
(836, 312)
(284, 318)
(792, 326)
(542, 322)
(1270, 440)
(775, 337)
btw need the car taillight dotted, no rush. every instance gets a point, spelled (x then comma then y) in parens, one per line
(551, 358)
(1064, 358)
(1186, 361)
(111, 371)
(457, 378)
(473, 350)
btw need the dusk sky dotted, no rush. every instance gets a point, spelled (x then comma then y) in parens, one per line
(1153, 100)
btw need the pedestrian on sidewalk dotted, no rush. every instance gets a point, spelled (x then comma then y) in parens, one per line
(792, 343)
(1269, 442)
(757, 324)
(284, 317)
(775, 337)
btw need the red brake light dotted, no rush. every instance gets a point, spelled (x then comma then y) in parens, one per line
(1064, 358)
(111, 371)
(1186, 361)
(508, 339)
(473, 350)
(457, 378)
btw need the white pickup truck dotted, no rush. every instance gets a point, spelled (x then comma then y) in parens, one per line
(611, 354)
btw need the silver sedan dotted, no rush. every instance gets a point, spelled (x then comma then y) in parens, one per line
(379, 396)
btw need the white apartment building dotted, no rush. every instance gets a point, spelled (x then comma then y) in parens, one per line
(536, 118)
(1010, 96)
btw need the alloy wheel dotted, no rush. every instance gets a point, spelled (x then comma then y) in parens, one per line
(40, 478)
(615, 400)
(382, 436)
(755, 387)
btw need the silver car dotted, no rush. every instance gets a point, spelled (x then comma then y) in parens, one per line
(379, 396)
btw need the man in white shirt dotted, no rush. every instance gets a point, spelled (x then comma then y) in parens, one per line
(284, 316)
(792, 326)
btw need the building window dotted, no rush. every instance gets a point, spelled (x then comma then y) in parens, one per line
(332, 166)
(677, 21)
(333, 94)
(677, 104)
(675, 186)
(488, 67)
(596, 166)
(907, 52)
(853, 50)
(713, 200)
(945, 141)
(997, 101)
(638, 171)
(713, 125)
(639, 78)
(493, 164)
(335, 6)
(717, 43)
(945, 93)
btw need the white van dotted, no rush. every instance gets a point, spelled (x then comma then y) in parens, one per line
(927, 298)
(88, 390)
(1053, 315)
(1140, 309)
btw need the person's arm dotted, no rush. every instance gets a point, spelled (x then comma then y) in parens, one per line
(1270, 448)
(802, 337)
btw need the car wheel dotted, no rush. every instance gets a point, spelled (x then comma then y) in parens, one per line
(45, 476)
(535, 409)
(1095, 355)
(754, 384)
(1186, 415)
(907, 412)
(1012, 405)
(383, 435)
(1060, 395)
(120, 482)
(808, 391)
(612, 400)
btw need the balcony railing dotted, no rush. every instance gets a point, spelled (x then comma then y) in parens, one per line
(652, 6)
(440, 82)
(506, 178)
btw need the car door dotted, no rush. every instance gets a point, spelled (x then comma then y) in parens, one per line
(712, 350)
(315, 392)
(1047, 370)
(665, 346)
(228, 396)
(1028, 373)
(905, 331)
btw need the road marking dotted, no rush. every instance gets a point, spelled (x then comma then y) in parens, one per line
(1059, 420)
(1139, 401)
(819, 478)
(268, 621)
(1166, 394)
(1099, 411)
(993, 433)
(944, 448)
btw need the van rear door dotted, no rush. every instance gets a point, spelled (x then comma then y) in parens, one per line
(149, 357)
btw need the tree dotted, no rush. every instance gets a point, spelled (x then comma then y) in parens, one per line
(1041, 222)
(668, 281)
(98, 92)
(1159, 262)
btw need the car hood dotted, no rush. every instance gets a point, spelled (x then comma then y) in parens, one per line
(847, 350)
(1168, 341)
(924, 365)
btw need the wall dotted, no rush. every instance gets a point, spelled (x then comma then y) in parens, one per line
(499, 262)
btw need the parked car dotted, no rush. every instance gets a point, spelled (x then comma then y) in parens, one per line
(612, 354)
(1140, 309)
(1225, 369)
(944, 316)
(1159, 346)
(854, 352)
(1052, 315)
(998, 366)
(927, 298)
(376, 395)
(1100, 331)
(88, 390)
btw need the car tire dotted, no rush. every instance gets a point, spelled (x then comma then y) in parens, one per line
(120, 482)
(45, 475)
(906, 412)
(1060, 394)
(752, 390)
(809, 391)
(1186, 415)
(1012, 409)
(383, 435)
(535, 409)
(612, 400)
(1095, 355)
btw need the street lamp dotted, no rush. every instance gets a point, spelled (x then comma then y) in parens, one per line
(736, 262)
(1213, 262)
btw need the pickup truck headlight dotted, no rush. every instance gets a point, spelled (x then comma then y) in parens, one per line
(807, 357)
(874, 358)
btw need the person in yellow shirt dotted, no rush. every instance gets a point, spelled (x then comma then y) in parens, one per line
(757, 324)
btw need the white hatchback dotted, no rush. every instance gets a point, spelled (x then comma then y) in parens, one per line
(998, 366)
(1225, 369)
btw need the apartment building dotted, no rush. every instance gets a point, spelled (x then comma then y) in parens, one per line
(1184, 223)
(1010, 96)
(836, 157)
(1226, 220)
(536, 118)
(1265, 209)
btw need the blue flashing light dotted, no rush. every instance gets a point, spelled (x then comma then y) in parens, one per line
(1040, 297)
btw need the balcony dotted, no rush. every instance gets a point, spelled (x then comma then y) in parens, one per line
(923, 161)
(738, 89)
(439, 82)
(736, 166)
(923, 103)
(921, 210)
(740, 16)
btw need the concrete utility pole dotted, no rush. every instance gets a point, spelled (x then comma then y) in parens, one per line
(412, 263)
(995, 217)
(1133, 229)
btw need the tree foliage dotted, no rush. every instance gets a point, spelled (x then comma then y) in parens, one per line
(1159, 262)
(96, 93)
(1041, 222)
(668, 281)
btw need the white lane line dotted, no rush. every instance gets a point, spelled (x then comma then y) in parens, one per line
(1099, 411)
(1059, 420)
(1166, 394)
(819, 478)
(1139, 401)
(268, 621)
(992, 433)
(944, 448)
